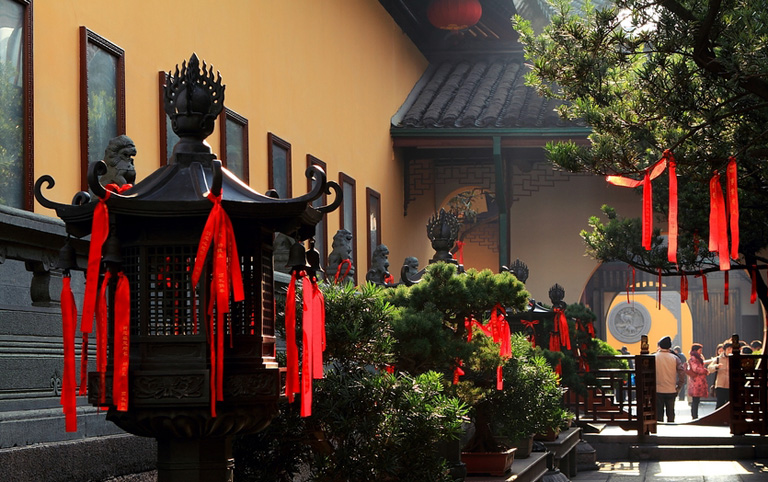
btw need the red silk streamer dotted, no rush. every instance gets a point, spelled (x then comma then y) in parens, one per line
(753, 277)
(732, 188)
(460, 245)
(683, 289)
(292, 384)
(672, 220)
(99, 232)
(630, 283)
(219, 234)
(718, 228)
(704, 284)
(649, 174)
(101, 338)
(530, 326)
(313, 327)
(725, 288)
(658, 289)
(69, 326)
(339, 277)
(122, 343)
(561, 327)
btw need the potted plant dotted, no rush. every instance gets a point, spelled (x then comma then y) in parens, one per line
(431, 333)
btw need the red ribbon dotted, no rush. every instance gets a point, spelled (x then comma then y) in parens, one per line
(69, 326)
(219, 233)
(649, 174)
(101, 338)
(683, 289)
(658, 289)
(672, 220)
(630, 283)
(460, 245)
(339, 277)
(99, 232)
(725, 288)
(704, 284)
(718, 228)
(122, 343)
(561, 328)
(753, 277)
(313, 340)
(292, 383)
(733, 205)
(530, 325)
(457, 371)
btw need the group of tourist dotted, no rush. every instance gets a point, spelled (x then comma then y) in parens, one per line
(673, 368)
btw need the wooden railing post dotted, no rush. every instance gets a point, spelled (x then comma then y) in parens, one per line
(645, 377)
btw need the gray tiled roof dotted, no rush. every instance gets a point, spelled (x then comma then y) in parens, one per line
(477, 93)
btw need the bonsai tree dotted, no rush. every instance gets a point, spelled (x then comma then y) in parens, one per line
(431, 333)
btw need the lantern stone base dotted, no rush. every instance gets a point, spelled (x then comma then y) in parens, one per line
(195, 460)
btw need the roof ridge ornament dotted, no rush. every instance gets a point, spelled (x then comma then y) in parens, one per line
(193, 100)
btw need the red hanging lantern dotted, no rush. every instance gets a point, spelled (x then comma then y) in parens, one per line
(454, 14)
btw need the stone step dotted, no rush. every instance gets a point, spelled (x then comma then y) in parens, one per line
(691, 452)
(529, 469)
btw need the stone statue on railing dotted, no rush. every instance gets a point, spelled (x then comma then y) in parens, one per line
(379, 272)
(340, 268)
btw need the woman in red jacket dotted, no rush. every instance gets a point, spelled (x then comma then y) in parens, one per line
(697, 378)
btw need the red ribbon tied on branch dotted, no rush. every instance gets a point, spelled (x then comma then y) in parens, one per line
(460, 251)
(501, 335)
(718, 227)
(649, 174)
(733, 205)
(672, 218)
(226, 275)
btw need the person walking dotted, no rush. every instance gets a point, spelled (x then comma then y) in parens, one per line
(669, 379)
(720, 367)
(697, 378)
(679, 352)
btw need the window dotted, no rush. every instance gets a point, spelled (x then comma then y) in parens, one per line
(16, 137)
(348, 214)
(234, 143)
(279, 162)
(168, 138)
(373, 221)
(321, 231)
(102, 94)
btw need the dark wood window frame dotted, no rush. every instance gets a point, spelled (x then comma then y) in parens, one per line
(312, 160)
(229, 114)
(346, 179)
(370, 193)
(28, 106)
(273, 140)
(87, 36)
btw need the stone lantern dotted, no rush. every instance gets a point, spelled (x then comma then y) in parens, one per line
(176, 391)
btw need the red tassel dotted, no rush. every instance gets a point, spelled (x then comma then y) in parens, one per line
(725, 288)
(672, 221)
(704, 284)
(733, 205)
(122, 343)
(69, 326)
(499, 378)
(457, 371)
(753, 276)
